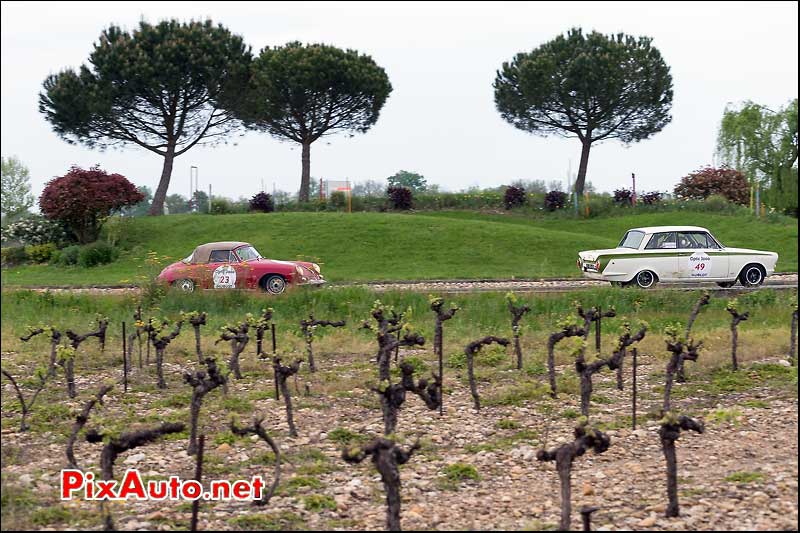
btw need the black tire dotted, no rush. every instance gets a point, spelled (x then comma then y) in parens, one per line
(645, 279)
(752, 275)
(184, 285)
(726, 284)
(273, 284)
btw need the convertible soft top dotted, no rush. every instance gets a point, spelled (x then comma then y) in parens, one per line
(202, 252)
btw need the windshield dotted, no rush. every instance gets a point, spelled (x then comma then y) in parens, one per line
(188, 260)
(247, 253)
(632, 239)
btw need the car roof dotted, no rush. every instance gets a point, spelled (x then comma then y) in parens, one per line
(203, 252)
(661, 229)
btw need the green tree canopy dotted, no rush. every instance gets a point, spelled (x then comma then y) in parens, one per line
(593, 87)
(302, 92)
(762, 143)
(160, 87)
(412, 180)
(15, 197)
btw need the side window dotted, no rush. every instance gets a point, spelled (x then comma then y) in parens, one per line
(712, 243)
(693, 240)
(662, 241)
(220, 256)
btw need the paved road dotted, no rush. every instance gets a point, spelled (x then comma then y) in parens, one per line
(778, 281)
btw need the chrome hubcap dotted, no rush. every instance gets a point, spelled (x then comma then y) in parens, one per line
(186, 285)
(753, 276)
(645, 279)
(276, 285)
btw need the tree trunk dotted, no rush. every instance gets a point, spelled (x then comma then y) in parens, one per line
(564, 468)
(668, 446)
(194, 419)
(310, 352)
(580, 181)
(70, 375)
(157, 207)
(586, 391)
(305, 177)
(197, 344)
(518, 350)
(551, 365)
(287, 398)
(51, 369)
(734, 345)
(160, 368)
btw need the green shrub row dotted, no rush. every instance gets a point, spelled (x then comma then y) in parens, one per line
(90, 255)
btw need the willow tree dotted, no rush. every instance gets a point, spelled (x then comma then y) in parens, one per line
(302, 92)
(160, 87)
(593, 87)
(762, 143)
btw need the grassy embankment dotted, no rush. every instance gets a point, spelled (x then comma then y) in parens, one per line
(388, 246)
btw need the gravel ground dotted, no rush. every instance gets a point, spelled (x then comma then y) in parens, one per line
(513, 492)
(789, 280)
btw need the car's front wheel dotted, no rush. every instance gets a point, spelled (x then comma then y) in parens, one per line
(645, 279)
(752, 275)
(274, 284)
(185, 285)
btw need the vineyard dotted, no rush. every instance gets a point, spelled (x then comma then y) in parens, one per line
(612, 409)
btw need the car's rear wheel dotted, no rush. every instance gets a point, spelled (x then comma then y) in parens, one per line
(274, 284)
(645, 279)
(185, 285)
(752, 275)
(726, 284)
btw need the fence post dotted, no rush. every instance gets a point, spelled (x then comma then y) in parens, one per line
(124, 358)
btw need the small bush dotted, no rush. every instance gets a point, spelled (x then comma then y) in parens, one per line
(338, 200)
(702, 183)
(555, 200)
(623, 197)
(97, 253)
(34, 229)
(221, 206)
(67, 256)
(13, 255)
(514, 197)
(400, 198)
(459, 472)
(40, 253)
(650, 198)
(717, 203)
(319, 502)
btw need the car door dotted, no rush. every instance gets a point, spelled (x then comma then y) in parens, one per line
(701, 257)
(219, 272)
(662, 255)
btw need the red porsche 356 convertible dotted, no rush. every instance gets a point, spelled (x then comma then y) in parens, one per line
(237, 265)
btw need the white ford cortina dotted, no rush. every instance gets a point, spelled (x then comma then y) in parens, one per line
(646, 256)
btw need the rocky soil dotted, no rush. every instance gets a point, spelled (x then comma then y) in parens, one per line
(741, 474)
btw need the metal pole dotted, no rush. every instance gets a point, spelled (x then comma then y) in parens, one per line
(633, 198)
(597, 327)
(209, 198)
(758, 201)
(575, 196)
(634, 363)
(124, 358)
(274, 353)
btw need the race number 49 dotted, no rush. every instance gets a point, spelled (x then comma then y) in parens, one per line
(699, 265)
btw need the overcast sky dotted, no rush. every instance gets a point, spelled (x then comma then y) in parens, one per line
(441, 59)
